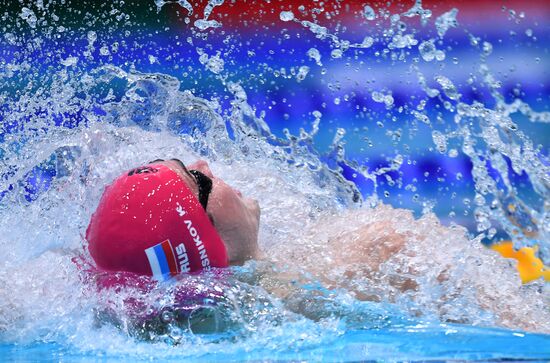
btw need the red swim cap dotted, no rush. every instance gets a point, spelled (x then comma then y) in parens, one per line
(149, 222)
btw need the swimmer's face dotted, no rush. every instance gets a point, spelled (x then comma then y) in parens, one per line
(235, 217)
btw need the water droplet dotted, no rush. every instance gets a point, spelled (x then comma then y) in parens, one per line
(92, 37)
(369, 13)
(210, 6)
(448, 87)
(104, 50)
(152, 59)
(10, 38)
(302, 73)
(286, 15)
(403, 41)
(367, 42)
(440, 141)
(317, 114)
(29, 16)
(336, 53)
(487, 48)
(382, 98)
(70, 61)
(479, 200)
(417, 10)
(446, 21)
(427, 51)
(214, 64)
(205, 24)
(315, 55)
(421, 117)
(319, 31)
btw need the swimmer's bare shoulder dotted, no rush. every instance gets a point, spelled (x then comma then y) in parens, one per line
(358, 243)
(360, 237)
(348, 245)
(340, 251)
(380, 253)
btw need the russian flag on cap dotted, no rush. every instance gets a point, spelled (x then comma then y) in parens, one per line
(162, 260)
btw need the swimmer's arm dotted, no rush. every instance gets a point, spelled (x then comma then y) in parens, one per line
(303, 287)
(346, 257)
(358, 255)
(300, 293)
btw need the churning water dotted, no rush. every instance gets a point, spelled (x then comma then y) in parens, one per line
(323, 112)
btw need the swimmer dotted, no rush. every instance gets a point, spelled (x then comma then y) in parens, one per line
(166, 218)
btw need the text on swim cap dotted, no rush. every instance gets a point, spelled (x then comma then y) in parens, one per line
(180, 210)
(183, 258)
(205, 261)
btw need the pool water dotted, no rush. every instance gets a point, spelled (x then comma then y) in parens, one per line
(414, 343)
(315, 109)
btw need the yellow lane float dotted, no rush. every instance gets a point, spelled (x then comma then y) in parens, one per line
(530, 267)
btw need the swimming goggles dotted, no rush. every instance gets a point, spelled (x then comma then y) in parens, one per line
(204, 183)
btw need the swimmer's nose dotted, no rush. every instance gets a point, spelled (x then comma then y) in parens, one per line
(202, 166)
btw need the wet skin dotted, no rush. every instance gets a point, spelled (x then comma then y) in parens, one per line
(236, 218)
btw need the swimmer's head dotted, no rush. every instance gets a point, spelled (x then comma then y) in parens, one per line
(163, 219)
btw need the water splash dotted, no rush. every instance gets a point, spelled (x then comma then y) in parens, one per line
(446, 21)
(122, 114)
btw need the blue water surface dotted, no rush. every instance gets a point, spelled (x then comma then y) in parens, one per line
(410, 343)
